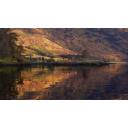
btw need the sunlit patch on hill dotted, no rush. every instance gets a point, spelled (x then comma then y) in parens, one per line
(108, 44)
(36, 44)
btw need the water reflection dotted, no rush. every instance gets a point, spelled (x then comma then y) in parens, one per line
(8, 78)
(106, 82)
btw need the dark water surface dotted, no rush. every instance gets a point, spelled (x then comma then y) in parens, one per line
(80, 83)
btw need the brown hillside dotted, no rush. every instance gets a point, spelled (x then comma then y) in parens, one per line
(109, 44)
(36, 43)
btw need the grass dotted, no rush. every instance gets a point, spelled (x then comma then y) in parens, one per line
(51, 61)
(7, 60)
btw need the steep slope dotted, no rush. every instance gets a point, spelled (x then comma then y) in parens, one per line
(35, 43)
(109, 44)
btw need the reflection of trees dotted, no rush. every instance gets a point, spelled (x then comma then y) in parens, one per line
(8, 80)
(84, 74)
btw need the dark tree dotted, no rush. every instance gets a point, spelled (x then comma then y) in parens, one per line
(84, 53)
(8, 47)
(19, 52)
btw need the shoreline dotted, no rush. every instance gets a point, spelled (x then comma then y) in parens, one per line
(97, 63)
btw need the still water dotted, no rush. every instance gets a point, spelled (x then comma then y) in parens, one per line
(65, 83)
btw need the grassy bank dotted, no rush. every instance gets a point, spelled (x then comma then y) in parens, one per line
(94, 63)
(52, 62)
(7, 60)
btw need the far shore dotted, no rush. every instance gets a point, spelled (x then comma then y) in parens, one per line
(118, 62)
(87, 63)
(91, 63)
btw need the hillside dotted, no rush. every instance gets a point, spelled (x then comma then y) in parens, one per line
(109, 44)
(35, 43)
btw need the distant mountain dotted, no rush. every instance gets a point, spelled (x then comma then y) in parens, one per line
(103, 43)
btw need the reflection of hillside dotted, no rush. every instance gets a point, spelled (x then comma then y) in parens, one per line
(37, 80)
(83, 84)
(67, 84)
